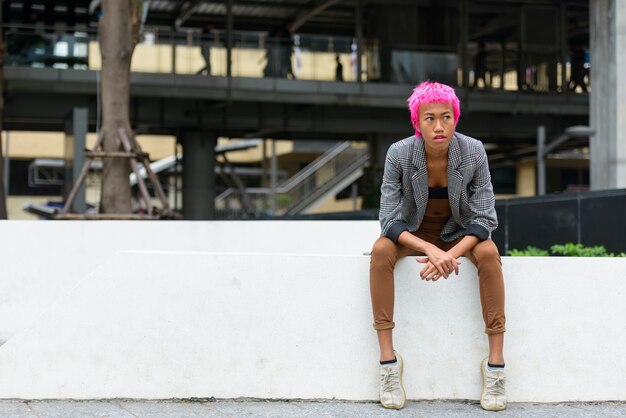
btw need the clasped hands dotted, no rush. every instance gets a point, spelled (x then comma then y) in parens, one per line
(438, 264)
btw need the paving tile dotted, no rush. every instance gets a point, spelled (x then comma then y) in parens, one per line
(17, 409)
(299, 409)
(78, 409)
(260, 409)
(157, 409)
(331, 409)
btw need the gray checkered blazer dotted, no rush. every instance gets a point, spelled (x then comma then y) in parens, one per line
(404, 193)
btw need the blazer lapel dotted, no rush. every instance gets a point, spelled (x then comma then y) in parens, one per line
(419, 179)
(455, 178)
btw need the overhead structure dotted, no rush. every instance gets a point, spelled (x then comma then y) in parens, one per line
(186, 10)
(303, 17)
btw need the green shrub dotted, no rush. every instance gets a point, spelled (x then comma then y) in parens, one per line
(579, 250)
(530, 251)
(568, 250)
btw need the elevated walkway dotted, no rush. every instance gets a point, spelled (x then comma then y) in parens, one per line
(162, 103)
(252, 309)
(280, 90)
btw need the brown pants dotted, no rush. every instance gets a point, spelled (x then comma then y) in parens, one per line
(484, 255)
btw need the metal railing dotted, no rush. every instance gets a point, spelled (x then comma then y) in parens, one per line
(301, 56)
(300, 191)
(191, 51)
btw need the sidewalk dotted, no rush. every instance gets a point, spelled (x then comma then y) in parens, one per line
(229, 408)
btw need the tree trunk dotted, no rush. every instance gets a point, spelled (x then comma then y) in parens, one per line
(118, 36)
(3, 204)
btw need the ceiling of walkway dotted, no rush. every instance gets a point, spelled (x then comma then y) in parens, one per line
(488, 18)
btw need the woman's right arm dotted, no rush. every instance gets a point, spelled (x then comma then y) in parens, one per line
(392, 220)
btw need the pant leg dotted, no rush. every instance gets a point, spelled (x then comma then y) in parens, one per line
(385, 254)
(491, 284)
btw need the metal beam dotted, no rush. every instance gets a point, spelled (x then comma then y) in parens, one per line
(186, 11)
(229, 40)
(496, 25)
(93, 6)
(302, 18)
(464, 24)
(359, 40)
(145, 8)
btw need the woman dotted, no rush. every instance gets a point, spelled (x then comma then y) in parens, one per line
(437, 200)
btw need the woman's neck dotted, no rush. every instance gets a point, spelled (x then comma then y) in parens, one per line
(436, 155)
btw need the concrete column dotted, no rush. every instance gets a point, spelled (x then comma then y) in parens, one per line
(198, 175)
(608, 93)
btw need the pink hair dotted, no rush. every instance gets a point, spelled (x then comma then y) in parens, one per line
(432, 92)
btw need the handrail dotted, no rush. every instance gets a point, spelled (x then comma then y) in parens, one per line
(295, 194)
(313, 167)
(327, 186)
(328, 169)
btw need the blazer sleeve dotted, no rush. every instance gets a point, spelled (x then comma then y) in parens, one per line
(391, 218)
(482, 201)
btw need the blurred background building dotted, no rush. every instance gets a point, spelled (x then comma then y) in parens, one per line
(288, 107)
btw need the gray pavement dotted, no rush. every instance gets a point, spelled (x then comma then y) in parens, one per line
(305, 409)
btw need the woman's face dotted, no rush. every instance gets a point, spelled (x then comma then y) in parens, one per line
(437, 124)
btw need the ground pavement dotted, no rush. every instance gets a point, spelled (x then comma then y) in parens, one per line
(295, 409)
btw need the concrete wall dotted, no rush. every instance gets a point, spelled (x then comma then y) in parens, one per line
(282, 310)
(41, 260)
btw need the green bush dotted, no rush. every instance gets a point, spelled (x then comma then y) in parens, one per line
(567, 250)
(530, 251)
(578, 250)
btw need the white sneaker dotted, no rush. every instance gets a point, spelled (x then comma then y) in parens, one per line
(493, 397)
(391, 390)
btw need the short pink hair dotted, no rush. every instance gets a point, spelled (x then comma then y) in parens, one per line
(432, 92)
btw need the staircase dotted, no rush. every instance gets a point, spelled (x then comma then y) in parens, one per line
(330, 173)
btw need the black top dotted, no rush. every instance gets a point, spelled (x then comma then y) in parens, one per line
(437, 192)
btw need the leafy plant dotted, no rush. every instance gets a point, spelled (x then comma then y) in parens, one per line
(568, 250)
(579, 250)
(530, 251)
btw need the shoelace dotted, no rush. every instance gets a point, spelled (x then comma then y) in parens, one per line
(390, 379)
(495, 385)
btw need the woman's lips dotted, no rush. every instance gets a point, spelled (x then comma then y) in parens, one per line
(440, 138)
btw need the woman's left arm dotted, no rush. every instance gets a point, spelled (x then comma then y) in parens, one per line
(481, 200)
(466, 244)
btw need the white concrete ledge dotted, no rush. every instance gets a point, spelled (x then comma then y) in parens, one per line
(292, 319)
(42, 260)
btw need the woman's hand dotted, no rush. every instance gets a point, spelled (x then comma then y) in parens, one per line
(438, 263)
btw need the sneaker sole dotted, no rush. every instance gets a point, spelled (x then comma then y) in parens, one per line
(486, 407)
(401, 385)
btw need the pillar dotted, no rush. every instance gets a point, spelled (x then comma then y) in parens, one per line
(198, 175)
(608, 93)
(76, 125)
